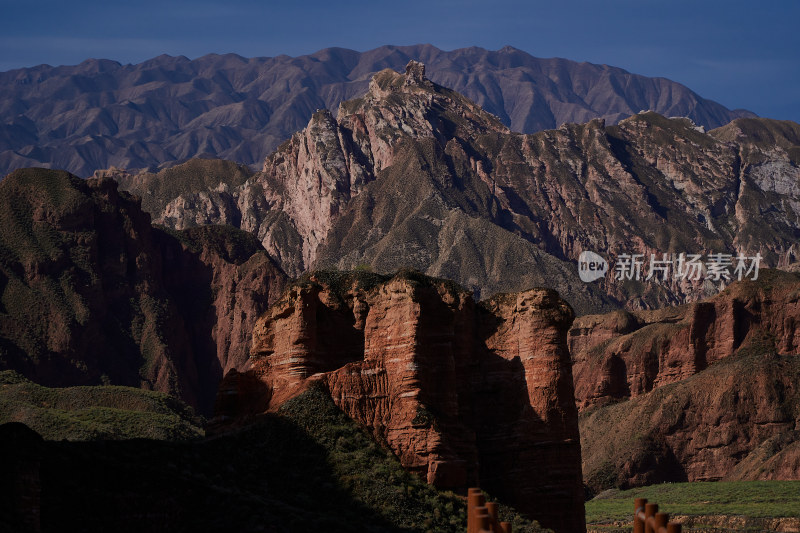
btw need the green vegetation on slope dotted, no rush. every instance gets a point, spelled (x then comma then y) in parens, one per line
(232, 244)
(374, 477)
(310, 468)
(158, 189)
(94, 413)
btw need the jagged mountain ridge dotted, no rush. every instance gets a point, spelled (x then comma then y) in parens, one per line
(415, 175)
(100, 113)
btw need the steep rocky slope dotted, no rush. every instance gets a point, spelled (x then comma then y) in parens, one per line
(625, 354)
(101, 113)
(737, 420)
(461, 393)
(415, 175)
(705, 391)
(91, 293)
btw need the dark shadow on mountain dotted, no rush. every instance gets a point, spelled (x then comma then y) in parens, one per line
(271, 476)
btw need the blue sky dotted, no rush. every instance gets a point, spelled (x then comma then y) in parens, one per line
(742, 54)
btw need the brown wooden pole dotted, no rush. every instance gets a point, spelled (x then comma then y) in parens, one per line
(473, 501)
(661, 521)
(482, 519)
(492, 508)
(672, 527)
(650, 510)
(505, 527)
(638, 507)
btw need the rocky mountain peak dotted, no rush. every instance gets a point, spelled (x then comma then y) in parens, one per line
(417, 107)
(413, 174)
(415, 72)
(389, 81)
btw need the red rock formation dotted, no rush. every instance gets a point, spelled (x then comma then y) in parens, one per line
(701, 392)
(461, 393)
(736, 420)
(622, 354)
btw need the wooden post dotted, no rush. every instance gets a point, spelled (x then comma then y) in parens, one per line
(661, 521)
(483, 516)
(474, 497)
(491, 507)
(650, 510)
(482, 519)
(638, 507)
(647, 519)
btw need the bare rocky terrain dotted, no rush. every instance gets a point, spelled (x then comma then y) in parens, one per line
(413, 174)
(699, 392)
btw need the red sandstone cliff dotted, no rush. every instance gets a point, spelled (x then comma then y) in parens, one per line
(462, 393)
(625, 354)
(700, 392)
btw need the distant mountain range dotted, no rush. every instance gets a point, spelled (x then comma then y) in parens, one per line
(168, 109)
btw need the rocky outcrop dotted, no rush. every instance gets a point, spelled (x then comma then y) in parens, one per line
(700, 392)
(462, 393)
(169, 109)
(625, 354)
(737, 420)
(319, 170)
(412, 174)
(91, 293)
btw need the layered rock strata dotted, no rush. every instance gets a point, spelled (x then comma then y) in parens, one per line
(462, 393)
(626, 354)
(700, 392)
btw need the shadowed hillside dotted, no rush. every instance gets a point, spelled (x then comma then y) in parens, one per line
(91, 293)
(307, 469)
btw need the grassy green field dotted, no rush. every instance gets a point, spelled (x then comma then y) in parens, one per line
(752, 499)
